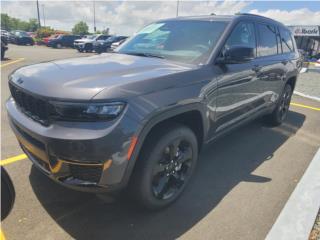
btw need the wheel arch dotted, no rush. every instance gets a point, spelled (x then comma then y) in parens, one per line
(186, 115)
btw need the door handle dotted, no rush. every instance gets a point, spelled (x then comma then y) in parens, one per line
(256, 68)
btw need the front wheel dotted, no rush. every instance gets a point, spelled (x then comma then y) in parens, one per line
(165, 166)
(281, 110)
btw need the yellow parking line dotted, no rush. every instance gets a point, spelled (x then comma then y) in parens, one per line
(13, 159)
(305, 106)
(2, 237)
(9, 63)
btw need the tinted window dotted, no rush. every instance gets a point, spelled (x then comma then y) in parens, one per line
(286, 41)
(267, 44)
(186, 41)
(242, 35)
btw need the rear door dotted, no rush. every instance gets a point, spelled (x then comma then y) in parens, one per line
(269, 64)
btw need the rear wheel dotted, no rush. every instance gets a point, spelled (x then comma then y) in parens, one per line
(280, 113)
(166, 164)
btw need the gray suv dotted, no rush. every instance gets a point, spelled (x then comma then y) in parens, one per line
(137, 118)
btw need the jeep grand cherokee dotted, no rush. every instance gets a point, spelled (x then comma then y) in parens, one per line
(138, 117)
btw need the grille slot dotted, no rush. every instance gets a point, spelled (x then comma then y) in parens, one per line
(34, 107)
(86, 173)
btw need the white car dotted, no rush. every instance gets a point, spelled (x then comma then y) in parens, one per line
(86, 44)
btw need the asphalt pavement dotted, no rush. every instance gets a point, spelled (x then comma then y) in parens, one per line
(242, 181)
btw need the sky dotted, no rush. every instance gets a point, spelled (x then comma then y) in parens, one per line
(127, 17)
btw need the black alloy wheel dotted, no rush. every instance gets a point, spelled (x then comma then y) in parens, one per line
(284, 104)
(281, 110)
(165, 165)
(172, 170)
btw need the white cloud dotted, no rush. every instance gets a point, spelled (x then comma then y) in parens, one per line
(126, 17)
(123, 17)
(302, 16)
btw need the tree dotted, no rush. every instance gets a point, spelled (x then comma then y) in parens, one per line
(9, 23)
(5, 22)
(81, 28)
(44, 32)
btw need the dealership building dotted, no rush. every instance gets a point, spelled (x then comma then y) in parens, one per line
(307, 38)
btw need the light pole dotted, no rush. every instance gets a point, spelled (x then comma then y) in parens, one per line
(39, 23)
(177, 8)
(94, 16)
(44, 17)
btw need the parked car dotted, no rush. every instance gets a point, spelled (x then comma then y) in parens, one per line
(21, 38)
(105, 45)
(139, 117)
(117, 44)
(4, 45)
(5, 34)
(62, 41)
(86, 44)
(47, 39)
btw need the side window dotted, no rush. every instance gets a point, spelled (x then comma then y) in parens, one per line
(286, 41)
(242, 35)
(267, 44)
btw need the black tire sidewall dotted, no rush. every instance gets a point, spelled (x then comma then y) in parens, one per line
(144, 184)
(278, 117)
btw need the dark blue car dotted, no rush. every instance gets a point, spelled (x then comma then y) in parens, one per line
(63, 41)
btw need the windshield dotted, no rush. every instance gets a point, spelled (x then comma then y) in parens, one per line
(189, 41)
(91, 36)
(22, 34)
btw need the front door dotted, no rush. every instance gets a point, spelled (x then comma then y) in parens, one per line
(238, 90)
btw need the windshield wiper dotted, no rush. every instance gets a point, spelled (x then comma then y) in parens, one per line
(142, 54)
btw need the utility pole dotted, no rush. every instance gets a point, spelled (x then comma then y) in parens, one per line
(94, 16)
(44, 17)
(177, 14)
(39, 23)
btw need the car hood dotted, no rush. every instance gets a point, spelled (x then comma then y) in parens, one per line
(83, 78)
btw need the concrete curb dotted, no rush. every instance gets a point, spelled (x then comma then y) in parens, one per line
(307, 96)
(297, 218)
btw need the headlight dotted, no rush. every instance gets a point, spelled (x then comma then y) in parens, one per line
(87, 112)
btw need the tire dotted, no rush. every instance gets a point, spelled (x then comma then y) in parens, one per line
(58, 45)
(88, 48)
(2, 53)
(280, 112)
(157, 180)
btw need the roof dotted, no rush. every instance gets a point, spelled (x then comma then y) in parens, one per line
(228, 18)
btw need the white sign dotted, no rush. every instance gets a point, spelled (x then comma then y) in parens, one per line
(305, 30)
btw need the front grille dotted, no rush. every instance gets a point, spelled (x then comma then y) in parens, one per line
(34, 107)
(86, 173)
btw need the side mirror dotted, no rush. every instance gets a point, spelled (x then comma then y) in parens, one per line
(236, 54)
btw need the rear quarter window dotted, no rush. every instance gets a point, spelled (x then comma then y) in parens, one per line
(286, 41)
(267, 40)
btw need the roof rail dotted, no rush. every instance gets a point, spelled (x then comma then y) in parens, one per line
(256, 15)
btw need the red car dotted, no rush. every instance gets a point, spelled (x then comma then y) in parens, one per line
(46, 39)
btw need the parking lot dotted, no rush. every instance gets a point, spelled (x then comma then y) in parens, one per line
(240, 186)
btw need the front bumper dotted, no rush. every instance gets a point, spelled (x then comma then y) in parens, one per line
(82, 156)
(79, 46)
